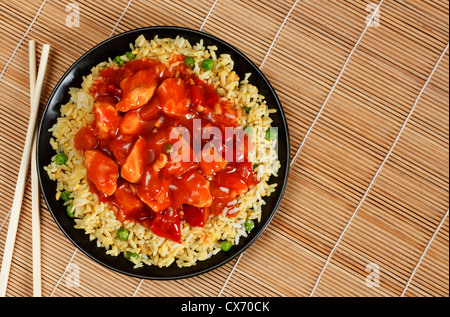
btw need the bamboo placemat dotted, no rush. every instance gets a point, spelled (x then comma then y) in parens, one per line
(367, 102)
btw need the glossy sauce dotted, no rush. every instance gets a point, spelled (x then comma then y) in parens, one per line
(129, 150)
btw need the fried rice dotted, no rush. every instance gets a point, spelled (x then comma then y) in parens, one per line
(98, 219)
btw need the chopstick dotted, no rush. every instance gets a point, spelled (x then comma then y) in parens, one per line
(35, 210)
(21, 179)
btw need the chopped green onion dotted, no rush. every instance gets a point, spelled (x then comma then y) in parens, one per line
(247, 109)
(119, 61)
(61, 158)
(249, 225)
(207, 64)
(65, 195)
(123, 234)
(69, 211)
(254, 166)
(130, 55)
(225, 245)
(189, 61)
(271, 134)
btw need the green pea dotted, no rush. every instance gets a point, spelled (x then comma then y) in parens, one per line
(247, 109)
(168, 148)
(189, 61)
(271, 134)
(65, 195)
(249, 225)
(225, 245)
(123, 234)
(61, 158)
(248, 130)
(69, 211)
(132, 254)
(207, 64)
(130, 55)
(119, 61)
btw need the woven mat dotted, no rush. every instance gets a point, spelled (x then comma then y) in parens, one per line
(366, 208)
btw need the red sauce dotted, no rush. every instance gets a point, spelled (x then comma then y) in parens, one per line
(133, 161)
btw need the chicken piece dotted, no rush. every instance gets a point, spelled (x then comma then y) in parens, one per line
(131, 123)
(137, 90)
(102, 171)
(211, 161)
(173, 97)
(198, 187)
(107, 119)
(85, 139)
(151, 110)
(133, 167)
(129, 204)
(153, 191)
(120, 147)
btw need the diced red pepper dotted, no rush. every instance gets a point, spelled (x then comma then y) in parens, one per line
(114, 90)
(167, 225)
(197, 95)
(195, 216)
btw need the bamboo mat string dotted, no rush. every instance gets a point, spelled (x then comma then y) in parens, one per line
(305, 138)
(207, 16)
(138, 287)
(340, 148)
(229, 275)
(368, 23)
(120, 18)
(200, 29)
(75, 252)
(62, 275)
(23, 38)
(378, 171)
(423, 254)
(261, 65)
(278, 34)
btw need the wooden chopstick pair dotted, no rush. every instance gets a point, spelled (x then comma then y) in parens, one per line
(30, 146)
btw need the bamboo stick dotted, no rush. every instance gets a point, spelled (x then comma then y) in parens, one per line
(21, 179)
(35, 216)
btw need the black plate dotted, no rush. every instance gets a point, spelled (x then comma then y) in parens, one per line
(73, 78)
